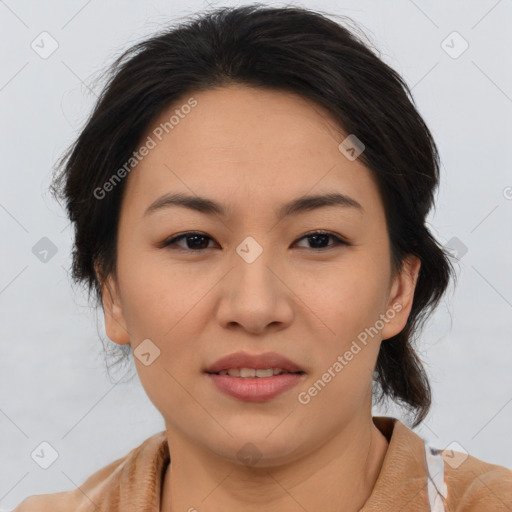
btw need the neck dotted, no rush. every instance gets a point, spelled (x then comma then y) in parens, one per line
(341, 473)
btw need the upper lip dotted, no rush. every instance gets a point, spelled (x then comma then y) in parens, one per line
(257, 361)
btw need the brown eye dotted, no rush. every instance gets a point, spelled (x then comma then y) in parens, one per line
(319, 240)
(193, 241)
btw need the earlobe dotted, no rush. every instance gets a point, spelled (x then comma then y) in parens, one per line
(115, 324)
(401, 297)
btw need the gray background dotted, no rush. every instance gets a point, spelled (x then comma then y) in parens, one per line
(53, 382)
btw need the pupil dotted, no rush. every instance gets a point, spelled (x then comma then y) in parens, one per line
(316, 237)
(195, 238)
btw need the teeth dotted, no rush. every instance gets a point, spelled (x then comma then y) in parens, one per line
(265, 373)
(248, 373)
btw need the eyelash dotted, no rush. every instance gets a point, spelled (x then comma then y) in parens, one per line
(172, 241)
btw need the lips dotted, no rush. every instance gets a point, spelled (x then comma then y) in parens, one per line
(257, 362)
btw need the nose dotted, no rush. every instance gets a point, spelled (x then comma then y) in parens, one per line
(255, 295)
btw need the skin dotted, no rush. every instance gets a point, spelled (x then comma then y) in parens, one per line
(252, 150)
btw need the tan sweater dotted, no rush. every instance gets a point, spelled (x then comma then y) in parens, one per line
(134, 482)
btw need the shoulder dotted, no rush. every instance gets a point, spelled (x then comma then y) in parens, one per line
(470, 484)
(75, 500)
(123, 478)
(473, 483)
(57, 502)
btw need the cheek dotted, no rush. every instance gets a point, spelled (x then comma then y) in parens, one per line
(152, 295)
(346, 298)
(348, 306)
(164, 303)
(158, 305)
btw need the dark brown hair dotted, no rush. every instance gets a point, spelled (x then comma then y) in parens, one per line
(288, 49)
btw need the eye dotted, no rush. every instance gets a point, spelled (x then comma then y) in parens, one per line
(319, 237)
(196, 241)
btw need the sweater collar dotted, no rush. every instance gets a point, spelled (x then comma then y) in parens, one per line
(138, 482)
(402, 481)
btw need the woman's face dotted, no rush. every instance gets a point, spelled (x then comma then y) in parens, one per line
(255, 280)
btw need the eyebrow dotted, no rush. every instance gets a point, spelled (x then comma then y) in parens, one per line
(294, 207)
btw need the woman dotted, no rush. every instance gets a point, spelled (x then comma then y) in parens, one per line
(249, 200)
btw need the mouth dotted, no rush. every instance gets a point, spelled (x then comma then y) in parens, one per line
(246, 365)
(255, 385)
(254, 378)
(258, 373)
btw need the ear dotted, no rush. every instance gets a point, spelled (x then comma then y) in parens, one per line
(115, 323)
(401, 297)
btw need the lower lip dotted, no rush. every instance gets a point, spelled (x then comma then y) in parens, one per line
(257, 389)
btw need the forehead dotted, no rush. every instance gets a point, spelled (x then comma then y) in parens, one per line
(250, 123)
(245, 142)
